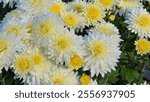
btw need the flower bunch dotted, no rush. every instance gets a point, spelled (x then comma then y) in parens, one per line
(84, 42)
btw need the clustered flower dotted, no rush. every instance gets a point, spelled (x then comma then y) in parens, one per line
(40, 39)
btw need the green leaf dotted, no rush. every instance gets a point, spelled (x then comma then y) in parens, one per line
(129, 74)
(112, 77)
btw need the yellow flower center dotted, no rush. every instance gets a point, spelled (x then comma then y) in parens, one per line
(71, 20)
(98, 48)
(78, 8)
(23, 64)
(13, 29)
(37, 58)
(85, 80)
(105, 29)
(56, 8)
(46, 28)
(4, 45)
(106, 3)
(144, 20)
(63, 43)
(94, 13)
(58, 80)
(76, 61)
(143, 46)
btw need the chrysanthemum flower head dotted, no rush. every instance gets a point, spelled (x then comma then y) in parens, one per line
(63, 44)
(142, 46)
(72, 19)
(63, 76)
(138, 21)
(102, 54)
(44, 26)
(57, 6)
(93, 13)
(10, 46)
(41, 67)
(15, 27)
(23, 64)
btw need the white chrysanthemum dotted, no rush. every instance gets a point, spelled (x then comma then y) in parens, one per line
(127, 5)
(62, 76)
(87, 80)
(107, 4)
(15, 27)
(41, 67)
(102, 54)
(138, 21)
(57, 6)
(10, 46)
(93, 13)
(72, 19)
(11, 2)
(33, 6)
(43, 27)
(108, 29)
(77, 5)
(22, 66)
(63, 44)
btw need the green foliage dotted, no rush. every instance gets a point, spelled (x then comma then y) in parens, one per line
(112, 78)
(129, 74)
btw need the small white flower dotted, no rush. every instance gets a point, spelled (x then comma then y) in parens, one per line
(72, 19)
(93, 13)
